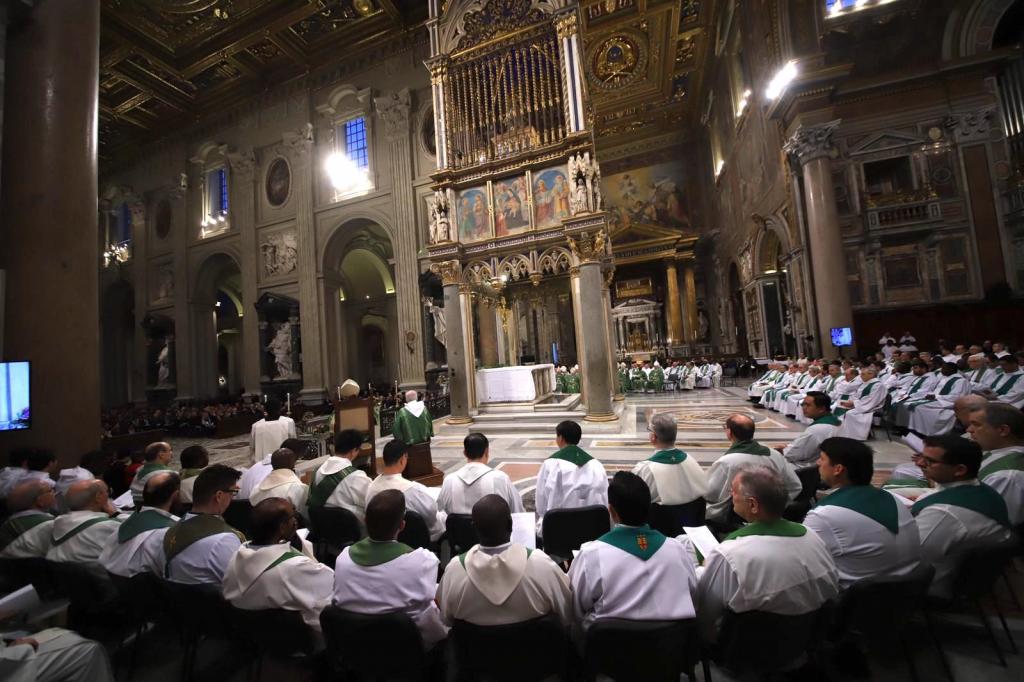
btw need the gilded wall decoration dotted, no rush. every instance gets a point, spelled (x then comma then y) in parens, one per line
(607, 9)
(689, 13)
(473, 214)
(279, 253)
(550, 197)
(649, 194)
(511, 206)
(496, 17)
(279, 182)
(617, 61)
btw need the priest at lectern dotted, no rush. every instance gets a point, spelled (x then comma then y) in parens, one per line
(413, 423)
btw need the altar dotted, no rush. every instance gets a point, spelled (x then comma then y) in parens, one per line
(518, 384)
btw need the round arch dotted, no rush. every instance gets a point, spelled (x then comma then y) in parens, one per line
(969, 33)
(216, 331)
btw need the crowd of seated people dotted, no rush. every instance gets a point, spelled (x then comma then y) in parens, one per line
(183, 420)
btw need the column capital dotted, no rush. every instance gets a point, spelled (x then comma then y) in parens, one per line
(243, 164)
(588, 247)
(298, 144)
(438, 67)
(393, 109)
(566, 24)
(449, 270)
(812, 142)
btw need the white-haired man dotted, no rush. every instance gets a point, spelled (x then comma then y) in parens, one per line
(672, 476)
(413, 423)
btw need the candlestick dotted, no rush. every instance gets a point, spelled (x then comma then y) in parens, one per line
(289, 403)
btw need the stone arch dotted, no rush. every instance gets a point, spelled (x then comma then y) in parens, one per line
(337, 239)
(515, 267)
(477, 272)
(216, 307)
(554, 260)
(970, 32)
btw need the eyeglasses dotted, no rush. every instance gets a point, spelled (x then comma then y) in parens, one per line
(234, 491)
(928, 461)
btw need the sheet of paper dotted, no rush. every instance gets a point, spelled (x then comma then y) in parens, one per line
(702, 538)
(124, 501)
(303, 533)
(524, 529)
(19, 601)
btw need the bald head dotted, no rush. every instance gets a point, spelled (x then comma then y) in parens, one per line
(161, 490)
(32, 494)
(158, 452)
(964, 405)
(410, 396)
(740, 427)
(87, 496)
(273, 520)
(492, 519)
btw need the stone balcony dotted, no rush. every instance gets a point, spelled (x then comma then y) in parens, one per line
(901, 209)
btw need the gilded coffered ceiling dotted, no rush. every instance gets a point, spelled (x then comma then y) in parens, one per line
(166, 63)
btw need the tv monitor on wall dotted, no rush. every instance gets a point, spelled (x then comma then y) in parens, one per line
(15, 404)
(842, 336)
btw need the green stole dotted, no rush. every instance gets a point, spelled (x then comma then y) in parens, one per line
(140, 522)
(749, 447)
(13, 528)
(189, 473)
(867, 388)
(369, 552)
(673, 456)
(1011, 461)
(183, 534)
(320, 492)
(80, 527)
(290, 554)
(641, 542)
(1007, 385)
(829, 419)
(977, 498)
(573, 454)
(950, 382)
(830, 383)
(917, 384)
(149, 468)
(778, 528)
(873, 503)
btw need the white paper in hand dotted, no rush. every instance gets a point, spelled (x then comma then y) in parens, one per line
(702, 538)
(524, 529)
(125, 501)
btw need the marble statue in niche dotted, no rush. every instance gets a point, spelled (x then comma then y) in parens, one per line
(440, 326)
(163, 366)
(281, 348)
(440, 224)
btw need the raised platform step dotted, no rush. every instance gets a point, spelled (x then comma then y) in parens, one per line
(554, 403)
(529, 417)
(517, 427)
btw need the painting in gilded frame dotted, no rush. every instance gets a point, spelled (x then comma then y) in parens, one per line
(472, 214)
(550, 197)
(511, 206)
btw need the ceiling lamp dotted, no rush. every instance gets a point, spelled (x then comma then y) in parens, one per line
(781, 80)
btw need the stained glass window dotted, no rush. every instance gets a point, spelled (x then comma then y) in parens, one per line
(356, 147)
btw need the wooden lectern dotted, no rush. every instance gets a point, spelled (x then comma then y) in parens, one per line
(421, 467)
(357, 413)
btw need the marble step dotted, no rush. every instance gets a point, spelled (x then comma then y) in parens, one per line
(541, 428)
(529, 417)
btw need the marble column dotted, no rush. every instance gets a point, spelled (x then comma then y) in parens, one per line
(674, 304)
(49, 242)
(243, 215)
(460, 366)
(812, 147)
(567, 26)
(609, 327)
(592, 350)
(488, 326)
(393, 110)
(690, 303)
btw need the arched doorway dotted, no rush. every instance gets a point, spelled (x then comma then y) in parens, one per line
(773, 284)
(117, 344)
(739, 319)
(216, 315)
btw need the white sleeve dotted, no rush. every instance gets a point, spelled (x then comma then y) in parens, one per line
(823, 529)
(585, 580)
(797, 451)
(511, 493)
(541, 495)
(222, 552)
(718, 482)
(444, 500)
(939, 531)
(715, 591)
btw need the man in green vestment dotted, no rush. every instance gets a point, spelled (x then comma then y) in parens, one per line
(156, 457)
(413, 423)
(572, 380)
(623, 374)
(657, 377)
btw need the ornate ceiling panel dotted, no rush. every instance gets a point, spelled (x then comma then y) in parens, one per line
(166, 63)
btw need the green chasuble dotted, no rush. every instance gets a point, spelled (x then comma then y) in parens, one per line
(624, 383)
(412, 430)
(780, 528)
(369, 552)
(574, 454)
(149, 468)
(749, 447)
(877, 505)
(142, 521)
(640, 541)
(657, 378)
(13, 527)
(977, 498)
(1012, 461)
(560, 383)
(572, 383)
(673, 456)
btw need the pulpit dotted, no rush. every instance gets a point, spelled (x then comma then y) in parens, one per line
(357, 413)
(421, 467)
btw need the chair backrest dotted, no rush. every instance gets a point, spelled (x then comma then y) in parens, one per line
(415, 534)
(669, 519)
(198, 609)
(810, 478)
(884, 604)
(365, 646)
(275, 631)
(141, 594)
(980, 568)
(567, 529)
(461, 533)
(531, 650)
(762, 642)
(334, 526)
(239, 516)
(34, 571)
(670, 649)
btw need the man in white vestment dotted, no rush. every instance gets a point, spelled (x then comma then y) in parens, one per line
(91, 465)
(978, 372)
(138, 545)
(811, 381)
(771, 375)
(198, 549)
(80, 535)
(54, 655)
(922, 384)
(961, 514)
(570, 478)
(770, 564)
(194, 459)
(934, 415)
(338, 483)
(631, 572)
(156, 456)
(28, 532)
(866, 530)
(268, 433)
(475, 480)
(1009, 386)
(499, 582)
(39, 465)
(688, 377)
(282, 482)
(826, 384)
(17, 464)
(803, 452)
(671, 475)
(417, 499)
(845, 388)
(268, 572)
(789, 380)
(999, 431)
(743, 451)
(860, 408)
(381, 575)
(716, 373)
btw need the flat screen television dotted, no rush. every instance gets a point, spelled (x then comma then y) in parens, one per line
(15, 403)
(842, 336)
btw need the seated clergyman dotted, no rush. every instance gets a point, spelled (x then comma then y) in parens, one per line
(81, 534)
(137, 546)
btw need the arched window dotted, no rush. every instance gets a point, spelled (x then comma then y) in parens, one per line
(124, 224)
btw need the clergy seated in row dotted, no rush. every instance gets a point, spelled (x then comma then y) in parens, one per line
(570, 478)
(36, 464)
(998, 429)
(462, 489)
(194, 459)
(138, 545)
(672, 477)
(413, 423)
(979, 373)
(761, 384)
(198, 548)
(793, 380)
(744, 451)
(858, 412)
(417, 499)
(55, 655)
(80, 535)
(1008, 387)
(91, 465)
(255, 474)
(156, 457)
(921, 385)
(282, 482)
(276, 569)
(845, 389)
(866, 530)
(338, 484)
(803, 452)
(961, 514)
(632, 572)
(499, 582)
(268, 433)
(826, 385)
(770, 564)
(809, 382)
(17, 464)
(379, 575)
(28, 531)
(933, 414)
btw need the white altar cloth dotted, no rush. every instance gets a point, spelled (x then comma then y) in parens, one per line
(514, 384)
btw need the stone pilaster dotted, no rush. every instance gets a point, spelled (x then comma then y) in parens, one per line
(243, 217)
(460, 366)
(674, 304)
(592, 351)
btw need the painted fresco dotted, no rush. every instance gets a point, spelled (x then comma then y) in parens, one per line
(472, 214)
(511, 208)
(650, 194)
(550, 197)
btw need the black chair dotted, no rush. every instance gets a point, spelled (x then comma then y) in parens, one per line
(271, 632)
(461, 533)
(18, 573)
(141, 596)
(198, 611)
(96, 604)
(332, 529)
(520, 652)
(670, 647)
(669, 519)
(796, 510)
(415, 534)
(363, 647)
(239, 516)
(567, 529)
(762, 643)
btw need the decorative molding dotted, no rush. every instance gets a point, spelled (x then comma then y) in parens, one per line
(587, 247)
(393, 109)
(449, 270)
(971, 126)
(243, 164)
(812, 142)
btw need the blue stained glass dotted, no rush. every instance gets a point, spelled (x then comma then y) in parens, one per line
(830, 5)
(124, 232)
(222, 181)
(356, 147)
